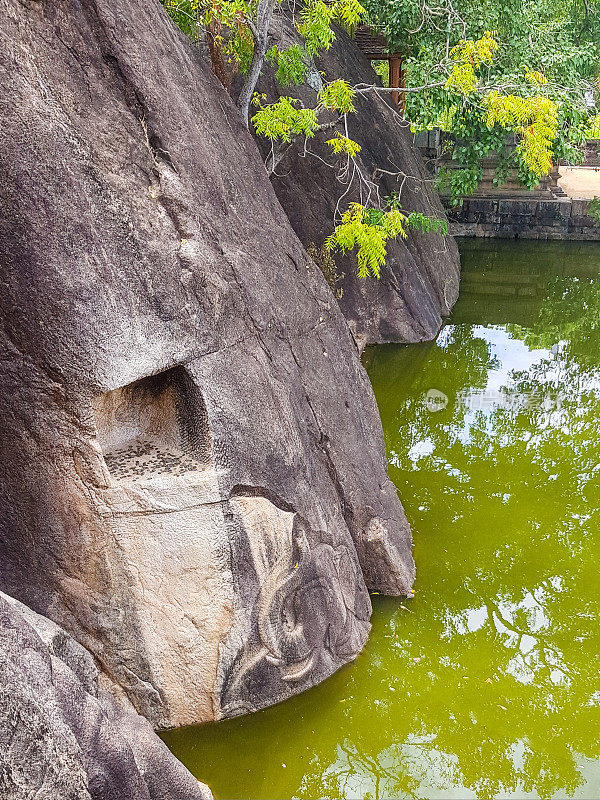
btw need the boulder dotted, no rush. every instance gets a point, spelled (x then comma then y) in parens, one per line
(419, 282)
(62, 735)
(193, 479)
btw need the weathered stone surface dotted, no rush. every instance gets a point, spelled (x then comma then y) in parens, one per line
(62, 737)
(193, 472)
(419, 283)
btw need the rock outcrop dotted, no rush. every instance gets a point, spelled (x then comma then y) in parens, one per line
(62, 735)
(419, 282)
(193, 478)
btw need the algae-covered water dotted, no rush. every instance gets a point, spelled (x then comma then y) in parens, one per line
(487, 683)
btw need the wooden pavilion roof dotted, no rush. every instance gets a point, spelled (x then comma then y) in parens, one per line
(373, 44)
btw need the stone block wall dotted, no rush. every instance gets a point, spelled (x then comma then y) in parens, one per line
(592, 153)
(508, 218)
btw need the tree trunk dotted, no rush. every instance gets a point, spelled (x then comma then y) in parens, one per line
(394, 62)
(263, 20)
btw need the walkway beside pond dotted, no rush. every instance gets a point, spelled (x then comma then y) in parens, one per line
(581, 183)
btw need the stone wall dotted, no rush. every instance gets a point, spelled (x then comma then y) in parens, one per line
(592, 153)
(508, 218)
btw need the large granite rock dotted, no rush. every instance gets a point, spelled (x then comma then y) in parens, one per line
(64, 737)
(193, 478)
(419, 283)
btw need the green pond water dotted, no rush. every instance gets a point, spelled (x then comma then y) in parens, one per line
(487, 683)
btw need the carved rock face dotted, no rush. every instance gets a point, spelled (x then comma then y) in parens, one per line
(194, 481)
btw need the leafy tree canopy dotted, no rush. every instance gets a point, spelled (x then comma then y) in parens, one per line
(538, 80)
(479, 70)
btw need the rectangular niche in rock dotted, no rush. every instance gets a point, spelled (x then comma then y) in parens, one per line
(156, 426)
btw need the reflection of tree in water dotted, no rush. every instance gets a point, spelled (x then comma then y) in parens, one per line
(513, 594)
(457, 362)
(570, 313)
(504, 505)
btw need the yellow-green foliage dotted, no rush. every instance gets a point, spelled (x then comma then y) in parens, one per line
(535, 77)
(291, 64)
(382, 68)
(594, 209)
(421, 222)
(316, 17)
(342, 144)
(369, 231)
(231, 15)
(185, 14)
(337, 96)
(227, 20)
(535, 119)
(315, 26)
(593, 132)
(349, 12)
(445, 119)
(278, 121)
(226, 12)
(467, 56)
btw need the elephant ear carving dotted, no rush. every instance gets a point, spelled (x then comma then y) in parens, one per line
(298, 599)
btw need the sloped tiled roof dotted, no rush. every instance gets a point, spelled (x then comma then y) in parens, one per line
(373, 44)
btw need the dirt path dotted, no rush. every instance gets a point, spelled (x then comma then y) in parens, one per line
(580, 182)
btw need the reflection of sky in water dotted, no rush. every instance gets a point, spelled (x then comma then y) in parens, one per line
(524, 625)
(512, 355)
(419, 756)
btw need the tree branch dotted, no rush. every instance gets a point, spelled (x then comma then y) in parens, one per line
(363, 88)
(261, 34)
